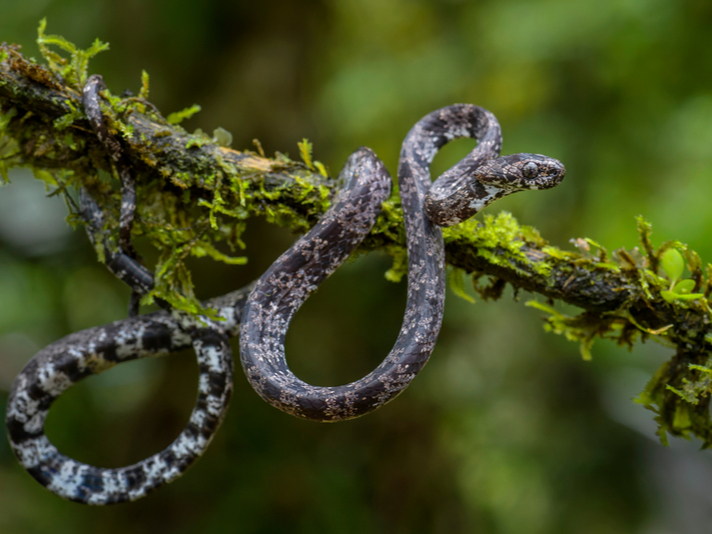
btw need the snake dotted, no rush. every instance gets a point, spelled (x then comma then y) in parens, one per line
(478, 180)
(260, 313)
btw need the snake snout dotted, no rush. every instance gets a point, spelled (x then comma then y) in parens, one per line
(542, 172)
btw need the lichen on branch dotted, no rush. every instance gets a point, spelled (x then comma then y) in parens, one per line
(195, 195)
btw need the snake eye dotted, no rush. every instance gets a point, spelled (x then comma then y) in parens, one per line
(530, 170)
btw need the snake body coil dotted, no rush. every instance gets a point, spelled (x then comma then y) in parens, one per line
(93, 351)
(455, 196)
(263, 318)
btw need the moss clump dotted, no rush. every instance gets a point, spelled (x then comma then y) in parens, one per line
(196, 205)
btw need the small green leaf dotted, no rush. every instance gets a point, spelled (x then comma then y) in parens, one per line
(322, 170)
(68, 119)
(585, 349)
(682, 418)
(684, 286)
(673, 264)
(457, 284)
(644, 398)
(199, 141)
(400, 266)
(5, 118)
(689, 296)
(55, 60)
(701, 368)
(543, 307)
(73, 69)
(80, 60)
(305, 151)
(669, 296)
(143, 93)
(206, 249)
(222, 137)
(258, 146)
(45, 176)
(96, 47)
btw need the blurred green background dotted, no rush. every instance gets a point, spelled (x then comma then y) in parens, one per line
(507, 430)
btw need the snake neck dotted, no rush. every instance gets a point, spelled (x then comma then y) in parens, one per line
(463, 201)
(455, 195)
(437, 129)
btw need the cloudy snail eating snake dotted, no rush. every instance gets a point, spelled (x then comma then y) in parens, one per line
(285, 286)
(261, 315)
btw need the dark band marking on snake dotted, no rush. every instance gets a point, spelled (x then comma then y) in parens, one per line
(121, 265)
(270, 307)
(92, 351)
(95, 350)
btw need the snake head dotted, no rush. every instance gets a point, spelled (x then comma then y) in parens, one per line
(521, 171)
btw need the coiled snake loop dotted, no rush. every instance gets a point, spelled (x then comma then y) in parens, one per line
(262, 315)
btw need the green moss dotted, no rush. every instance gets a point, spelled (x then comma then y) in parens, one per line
(143, 93)
(498, 239)
(195, 142)
(74, 68)
(399, 268)
(305, 151)
(559, 254)
(585, 328)
(179, 116)
(609, 266)
(222, 137)
(68, 119)
(5, 118)
(456, 281)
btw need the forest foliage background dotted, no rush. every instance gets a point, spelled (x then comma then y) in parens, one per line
(507, 430)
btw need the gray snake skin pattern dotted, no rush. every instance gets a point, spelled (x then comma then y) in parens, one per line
(261, 312)
(453, 198)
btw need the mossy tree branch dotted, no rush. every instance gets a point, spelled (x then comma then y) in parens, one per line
(195, 194)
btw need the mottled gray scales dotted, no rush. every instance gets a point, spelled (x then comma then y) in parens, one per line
(285, 286)
(263, 319)
(92, 108)
(455, 196)
(92, 351)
